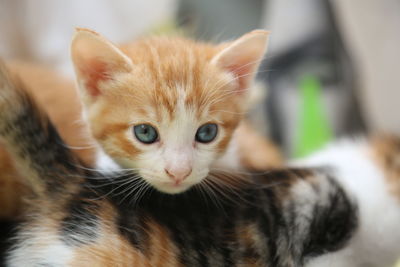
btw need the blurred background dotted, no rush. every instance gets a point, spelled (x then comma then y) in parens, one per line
(331, 69)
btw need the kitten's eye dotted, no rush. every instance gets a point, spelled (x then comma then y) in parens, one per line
(206, 133)
(145, 133)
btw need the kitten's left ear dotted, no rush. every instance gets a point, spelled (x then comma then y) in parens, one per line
(96, 60)
(243, 56)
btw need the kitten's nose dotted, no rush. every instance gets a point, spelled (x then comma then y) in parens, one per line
(178, 174)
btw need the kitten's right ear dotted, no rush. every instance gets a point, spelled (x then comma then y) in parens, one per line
(243, 56)
(96, 60)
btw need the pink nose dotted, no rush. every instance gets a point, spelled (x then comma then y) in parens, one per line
(178, 175)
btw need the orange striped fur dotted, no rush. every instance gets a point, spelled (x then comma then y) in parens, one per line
(175, 85)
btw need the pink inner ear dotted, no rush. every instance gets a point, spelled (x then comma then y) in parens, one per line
(243, 74)
(94, 72)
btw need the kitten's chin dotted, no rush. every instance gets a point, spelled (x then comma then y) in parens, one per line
(169, 187)
(172, 189)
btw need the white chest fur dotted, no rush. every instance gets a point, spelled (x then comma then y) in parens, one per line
(377, 240)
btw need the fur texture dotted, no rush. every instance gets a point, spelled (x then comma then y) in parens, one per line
(291, 217)
(368, 170)
(176, 86)
(57, 96)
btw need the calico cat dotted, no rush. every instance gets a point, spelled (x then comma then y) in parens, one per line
(166, 107)
(344, 214)
(59, 99)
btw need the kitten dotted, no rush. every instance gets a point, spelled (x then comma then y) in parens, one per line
(345, 214)
(166, 107)
(59, 99)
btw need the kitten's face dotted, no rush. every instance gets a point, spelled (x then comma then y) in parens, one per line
(171, 133)
(165, 107)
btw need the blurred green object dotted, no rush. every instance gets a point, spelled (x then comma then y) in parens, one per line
(313, 128)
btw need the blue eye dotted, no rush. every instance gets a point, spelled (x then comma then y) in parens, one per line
(145, 133)
(206, 133)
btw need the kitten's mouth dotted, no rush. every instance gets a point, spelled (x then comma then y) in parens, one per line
(168, 186)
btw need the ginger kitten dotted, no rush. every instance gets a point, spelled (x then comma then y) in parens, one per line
(166, 107)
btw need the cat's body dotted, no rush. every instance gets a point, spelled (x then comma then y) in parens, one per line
(58, 98)
(293, 217)
(369, 171)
